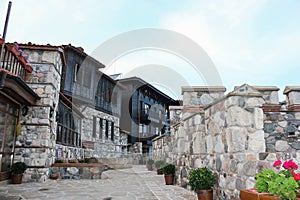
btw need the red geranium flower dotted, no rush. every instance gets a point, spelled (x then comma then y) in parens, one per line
(297, 177)
(290, 165)
(277, 163)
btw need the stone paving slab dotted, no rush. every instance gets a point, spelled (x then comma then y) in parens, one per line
(135, 183)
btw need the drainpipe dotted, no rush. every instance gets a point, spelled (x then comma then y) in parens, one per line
(5, 29)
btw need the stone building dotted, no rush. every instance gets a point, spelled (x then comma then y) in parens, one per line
(15, 97)
(60, 106)
(236, 135)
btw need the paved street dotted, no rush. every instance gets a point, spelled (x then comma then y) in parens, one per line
(133, 184)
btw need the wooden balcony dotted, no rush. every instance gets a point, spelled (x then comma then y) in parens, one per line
(13, 62)
(13, 69)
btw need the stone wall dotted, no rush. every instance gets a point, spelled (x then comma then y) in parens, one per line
(98, 145)
(103, 147)
(35, 145)
(236, 136)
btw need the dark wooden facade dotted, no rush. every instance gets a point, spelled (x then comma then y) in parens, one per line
(83, 81)
(144, 111)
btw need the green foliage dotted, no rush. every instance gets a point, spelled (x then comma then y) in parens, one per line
(169, 169)
(18, 168)
(286, 173)
(159, 164)
(263, 178)
(201, 179)
(285, 188)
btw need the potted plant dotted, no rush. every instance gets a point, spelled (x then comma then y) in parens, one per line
(17, 170)
(169, 172)
(150, 164)
(202, 180)
(158, 165)
(271, 185)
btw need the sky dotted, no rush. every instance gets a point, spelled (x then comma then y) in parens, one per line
(251, 41)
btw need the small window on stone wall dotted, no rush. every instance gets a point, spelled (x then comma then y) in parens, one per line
(101, 128)
(94, 126)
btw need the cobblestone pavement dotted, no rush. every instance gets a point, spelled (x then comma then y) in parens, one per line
(126, 184)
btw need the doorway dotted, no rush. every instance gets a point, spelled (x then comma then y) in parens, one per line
(9, 113)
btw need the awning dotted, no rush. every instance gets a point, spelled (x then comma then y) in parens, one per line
(16, 88)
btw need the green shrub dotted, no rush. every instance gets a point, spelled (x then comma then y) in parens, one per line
(201, 179)
(18, 168)
(159, 164)
(169, 169)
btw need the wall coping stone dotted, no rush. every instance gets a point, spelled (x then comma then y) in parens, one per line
(289, 89)
(210, 89)
(262, 88)
(175, 107)
(266, 88)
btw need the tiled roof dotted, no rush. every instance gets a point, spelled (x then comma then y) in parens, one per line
(80, 50)
(47, 47)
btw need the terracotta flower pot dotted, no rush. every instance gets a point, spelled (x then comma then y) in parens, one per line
(205, 194)
(16, 178)
(251, 194)
(169, 179)
(159, 172)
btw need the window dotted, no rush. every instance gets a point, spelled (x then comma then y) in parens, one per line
(101, 128)
(108, 95)
(141, 129)
(146, 108)
(112, 131)
(76, 69)
(156, 131)
(68, 127)
(94, 126)
(106, 129)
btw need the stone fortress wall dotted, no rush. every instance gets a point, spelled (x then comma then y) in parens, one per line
(236, 135)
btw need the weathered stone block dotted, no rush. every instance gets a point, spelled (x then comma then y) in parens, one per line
(254, 102)
(256, 141)
(236, 139)
(219, 146)
(237, 116)
(258, 118)
(250, 168)
(281, 145)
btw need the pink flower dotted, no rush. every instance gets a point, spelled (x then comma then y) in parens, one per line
(277, 164)
(290, 165)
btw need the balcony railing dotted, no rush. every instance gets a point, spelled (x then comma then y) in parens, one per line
(12, 61)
